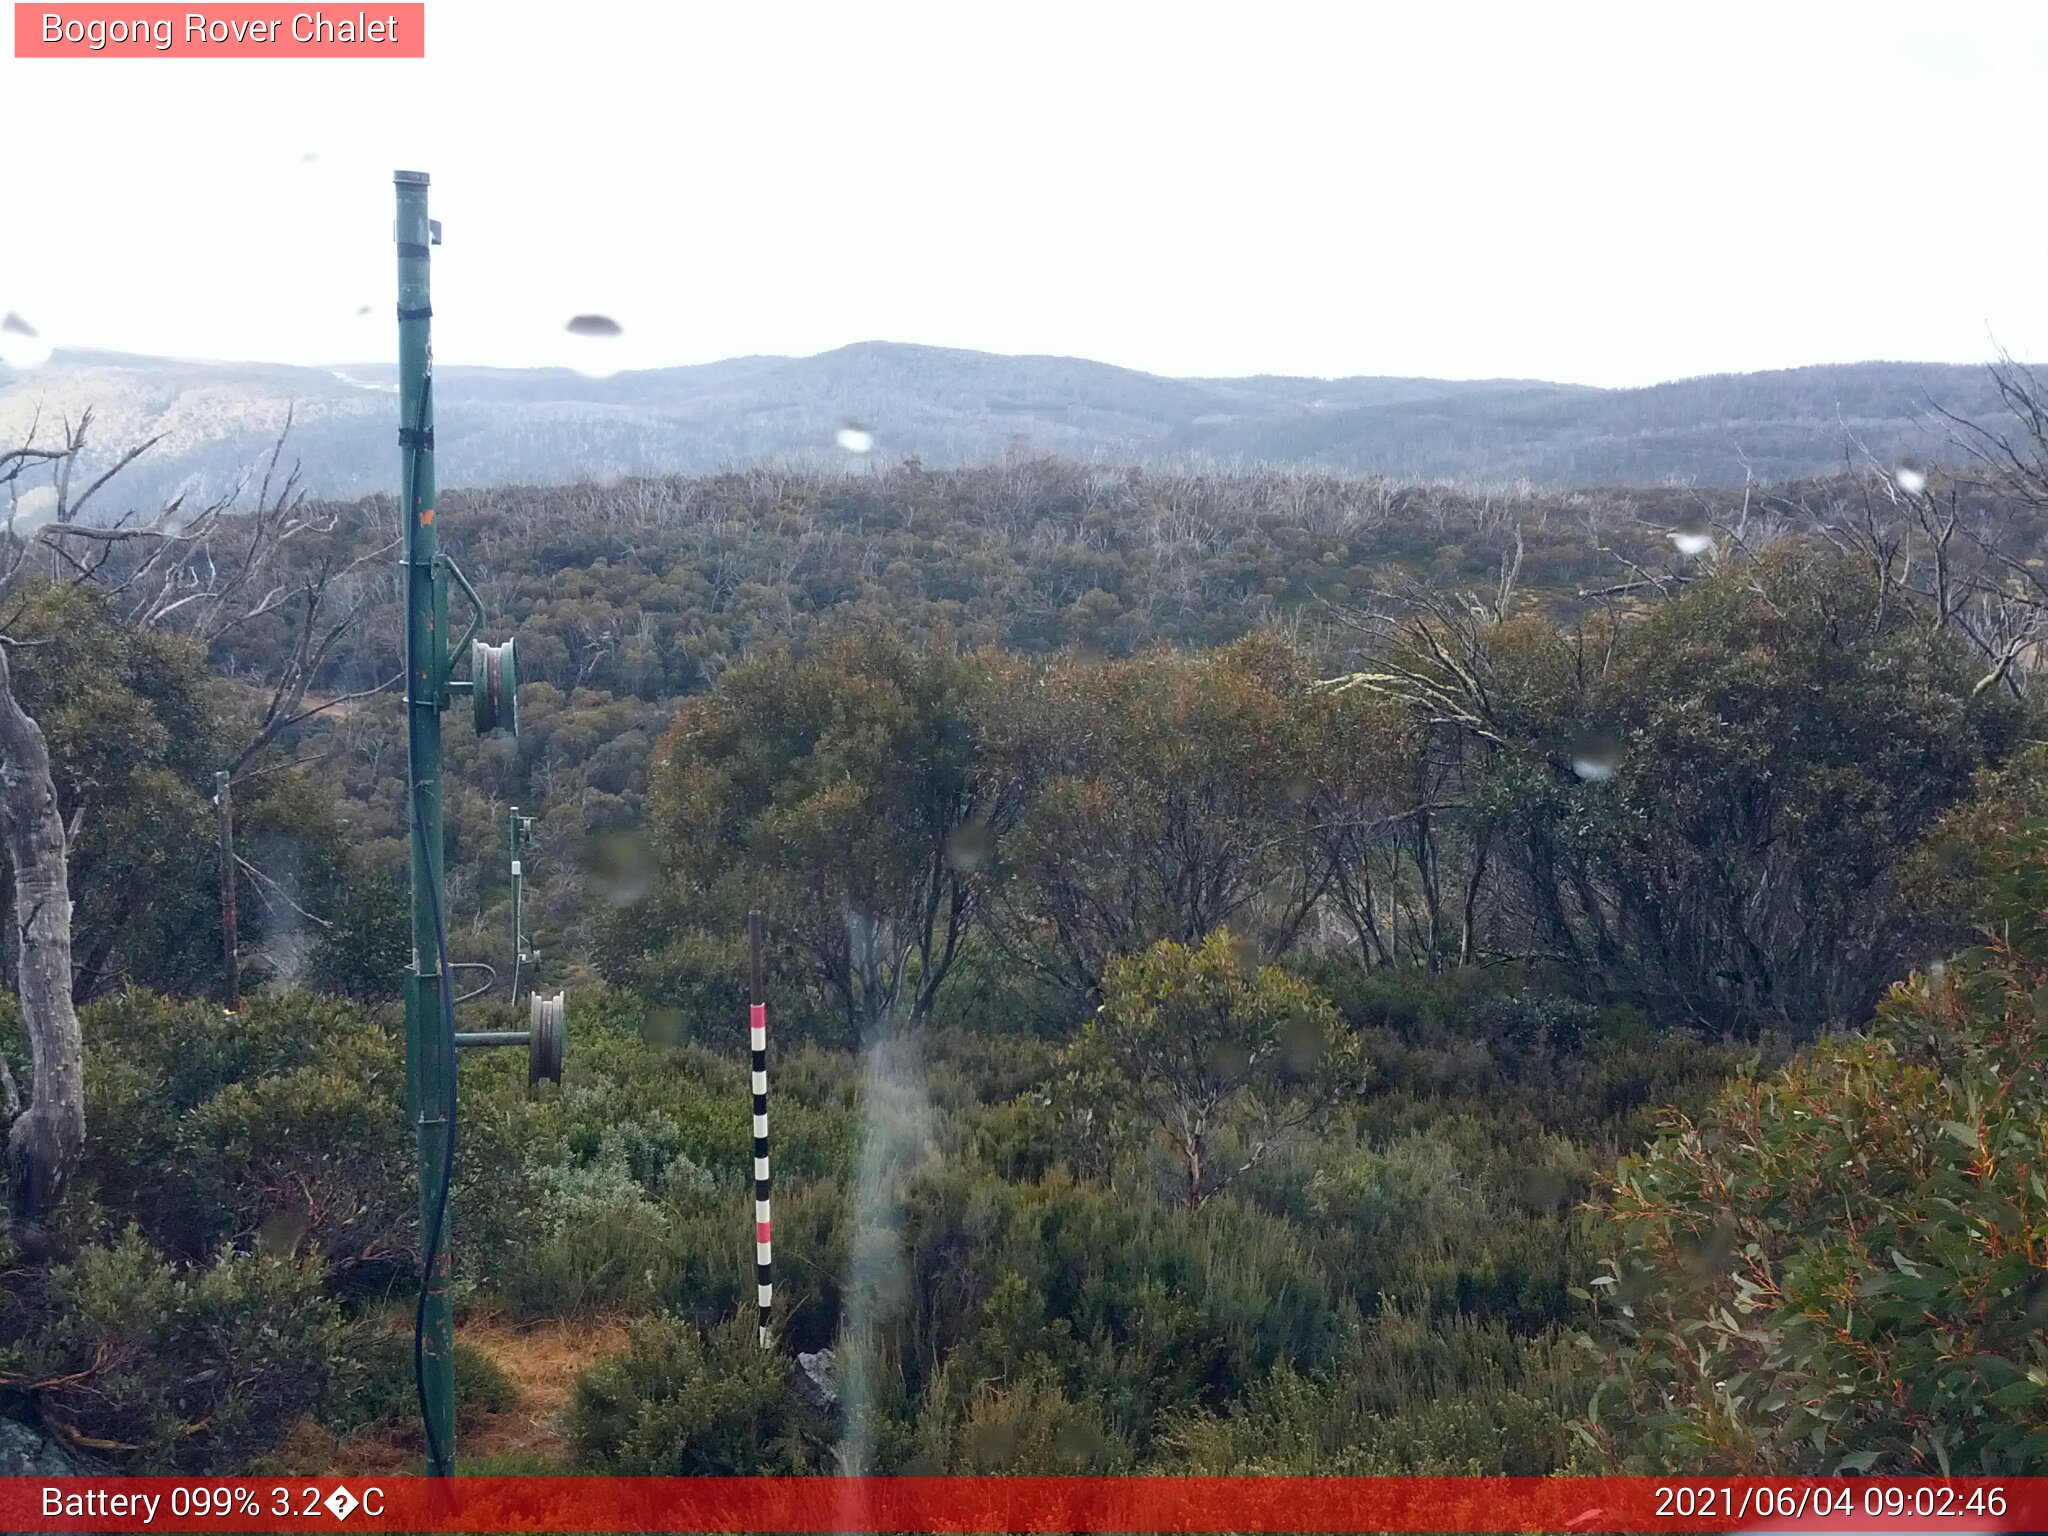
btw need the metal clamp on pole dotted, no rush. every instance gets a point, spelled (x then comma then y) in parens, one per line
(545, 1037)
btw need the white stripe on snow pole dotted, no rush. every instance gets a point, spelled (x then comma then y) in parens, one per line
(757, 1041)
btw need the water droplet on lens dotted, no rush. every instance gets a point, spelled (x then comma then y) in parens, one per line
(1244, 951)
(969, 846)
(621, 866)
(1596, 756)
(21, 344)
(1692, 532)
(34, 507)
(281, 1232)
(590, 355)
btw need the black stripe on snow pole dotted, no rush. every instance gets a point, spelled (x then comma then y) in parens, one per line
(757, 1043)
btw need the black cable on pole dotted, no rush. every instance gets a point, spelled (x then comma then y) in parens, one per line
(430, 1250)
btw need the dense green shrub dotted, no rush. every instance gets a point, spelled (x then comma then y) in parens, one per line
(284, 1123)
(318, 1156)
(683, 1401)
(364, 950)
(1839, 1266)
(1028, 1424)
(176, 1368)
(1212, 1057)
(1409, 1392)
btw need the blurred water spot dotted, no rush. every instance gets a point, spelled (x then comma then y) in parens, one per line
(1244, 951)
(1692, 534)
(2036, 1303)
(288, 946)
(1301, 1046)
(1545, 1189)
(21, 344)
(589, 355)
(968, 847)
(1708, 1254)
(1078, 1442)
(665, 1026)
(621, 866)
(34, 507)
(282, 1231)
(1228, 1058)
(895, 1139)
(854, 438)
(1596, 755)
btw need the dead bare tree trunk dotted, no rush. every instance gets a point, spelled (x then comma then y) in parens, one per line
(230, 954)
(48, 1137)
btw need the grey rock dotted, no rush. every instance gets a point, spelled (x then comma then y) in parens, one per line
(26, 1452)
(814, 1380)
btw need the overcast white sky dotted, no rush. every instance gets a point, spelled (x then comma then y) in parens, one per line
(1607, 194)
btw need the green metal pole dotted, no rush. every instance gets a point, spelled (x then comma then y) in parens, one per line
(518, 884)
(429, 1058)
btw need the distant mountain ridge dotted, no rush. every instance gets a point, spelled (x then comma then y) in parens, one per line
(498, 426)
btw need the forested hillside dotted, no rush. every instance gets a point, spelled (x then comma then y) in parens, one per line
(1262, 967)
(952, 409)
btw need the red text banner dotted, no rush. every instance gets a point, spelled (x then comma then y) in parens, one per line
(225, 31)
(1023, 1504)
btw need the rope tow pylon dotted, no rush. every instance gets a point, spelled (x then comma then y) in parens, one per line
(431, 1038)
(757, 1040)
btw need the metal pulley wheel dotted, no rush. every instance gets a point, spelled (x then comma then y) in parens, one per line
(494, 688)
(546, 1038)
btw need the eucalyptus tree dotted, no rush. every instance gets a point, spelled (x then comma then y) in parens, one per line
(204, 571)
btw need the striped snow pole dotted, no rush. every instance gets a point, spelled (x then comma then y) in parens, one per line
(757, 1030)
